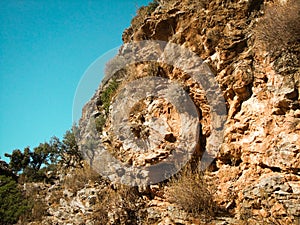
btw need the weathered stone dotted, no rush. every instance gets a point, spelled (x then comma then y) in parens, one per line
(256, 172)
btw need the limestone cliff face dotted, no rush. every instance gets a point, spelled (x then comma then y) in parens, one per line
(257, 170)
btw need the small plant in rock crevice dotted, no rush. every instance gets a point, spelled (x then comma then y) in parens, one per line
(100, 122)
(107, 94)
(143, 13)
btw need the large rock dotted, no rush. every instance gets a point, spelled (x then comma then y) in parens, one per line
(257, 171)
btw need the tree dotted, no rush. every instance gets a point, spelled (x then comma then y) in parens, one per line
(34, 165)
(44, 158)
(19, 160)
(40, 156)
(70, 154)
(13, 204)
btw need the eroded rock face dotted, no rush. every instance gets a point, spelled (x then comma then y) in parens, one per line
(273, 195)
(155, 124)
(257, 169)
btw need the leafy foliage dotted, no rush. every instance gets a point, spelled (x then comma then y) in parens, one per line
(30, 162)
(108, 93)
(69, 153)
(99, 122)
(13, 204)
(33, 165)
(19, 160)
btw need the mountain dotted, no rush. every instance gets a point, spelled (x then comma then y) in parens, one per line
(196, 122)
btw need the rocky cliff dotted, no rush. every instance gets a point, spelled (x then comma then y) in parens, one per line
(252, 50)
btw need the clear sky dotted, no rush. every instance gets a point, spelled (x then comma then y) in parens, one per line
(45, 48)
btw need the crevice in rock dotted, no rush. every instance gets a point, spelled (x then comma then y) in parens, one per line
(232, 161)
(255, 5)
(294, 95)
(273, 168)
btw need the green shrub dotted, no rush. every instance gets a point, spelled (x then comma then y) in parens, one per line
(99, 123)
(12, 202)
(33, 165)
(70, 155)
(108, 93)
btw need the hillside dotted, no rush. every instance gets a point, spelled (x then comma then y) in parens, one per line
(197, 121)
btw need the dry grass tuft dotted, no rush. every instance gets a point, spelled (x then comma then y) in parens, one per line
(119, 206)
(38, 205)
(79, 177)
(143, 13)
(191, 192)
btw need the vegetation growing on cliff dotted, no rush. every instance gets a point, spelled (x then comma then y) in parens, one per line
(107, 94)
(279, 28)
(189, 191)
(143, 12)
(192, 192)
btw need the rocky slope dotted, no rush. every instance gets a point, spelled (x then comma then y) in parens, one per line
(256, 173)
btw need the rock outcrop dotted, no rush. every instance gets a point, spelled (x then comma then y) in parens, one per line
(256, 173)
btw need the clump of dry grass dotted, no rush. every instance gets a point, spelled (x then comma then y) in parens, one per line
(35, 196)
(119, 206)
(143, 13)
(192, 192)
(279, 28)
(79, 177)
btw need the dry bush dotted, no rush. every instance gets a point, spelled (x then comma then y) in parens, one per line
(191, 3)
(139, 19)
(248, 212)
(101, 209)
(279, 28)
(119, 206)
(56, 195)
(35, 196)
(143, 13)
(115, 66)
(79, 177)
(191, 192)
(38, 211)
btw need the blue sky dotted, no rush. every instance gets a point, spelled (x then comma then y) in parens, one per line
(45, 48)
